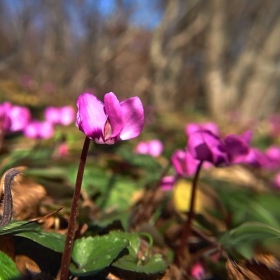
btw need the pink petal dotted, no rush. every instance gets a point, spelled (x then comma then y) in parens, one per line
(114, 111)
(91, 118)
(67, 115)
(142, 148)
(133, 116)
(155, 147)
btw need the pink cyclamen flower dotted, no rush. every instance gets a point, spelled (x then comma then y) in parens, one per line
(194, 127)
(20, 117)
(14, 118)
(167, 183)
(184, 163)
(60, 115)
(108, 122)
(153, 148)
(205, 146)
(38, 130)
(198, 271)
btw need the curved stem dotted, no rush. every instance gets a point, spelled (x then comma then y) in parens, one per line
(66, 257)
(187, 227)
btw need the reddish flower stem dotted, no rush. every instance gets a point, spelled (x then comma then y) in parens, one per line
(187, 228)
(66, 257)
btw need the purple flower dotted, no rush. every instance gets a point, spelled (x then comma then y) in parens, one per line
(112, 121)
(20, 117)
(153, 148)
(52, 115)
(197, 271)
(205, 146)
(273, 157)
(167, 183)
(238, 146)
(38, 130)
(60, 115)
(5, 121)
(184, 163)
(13, 118)
(194, 127)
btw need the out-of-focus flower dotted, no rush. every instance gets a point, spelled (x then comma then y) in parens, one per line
(184, 163)
(63, 149)
(205, 146)
(20, 117)
(5, 121)
(167, 183)
(112, 121)
(39, 130)
(238, 146)
(67, 115)
(210, 126)
(198, 271)
(273, 157)
(60, 115)
(153, 148)
(13, 118)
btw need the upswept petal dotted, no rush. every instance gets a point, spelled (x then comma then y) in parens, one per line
(236, 146)
(133, 116)
(91, 118)
(113, 110)
(205, 146)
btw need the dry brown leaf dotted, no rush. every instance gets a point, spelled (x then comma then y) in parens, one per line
(238, 272)
(239, 175)
(261, 267)
(27, 196)
(26, 265)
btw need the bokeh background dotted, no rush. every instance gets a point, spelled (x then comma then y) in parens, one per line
(217, 57)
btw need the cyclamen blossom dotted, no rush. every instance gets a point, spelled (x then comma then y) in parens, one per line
(205, 146)
(194, 127)
(13, 118)
(167, 183)
(60, 115)
(38, 130)
(111, 121)
(184, 163)
(153, 148)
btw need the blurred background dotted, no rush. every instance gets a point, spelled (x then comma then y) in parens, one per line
(217, 57)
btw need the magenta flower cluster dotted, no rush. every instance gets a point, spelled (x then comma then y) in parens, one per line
(15, 118)
(206, 145)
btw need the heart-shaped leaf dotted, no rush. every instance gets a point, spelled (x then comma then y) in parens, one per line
(93, 254)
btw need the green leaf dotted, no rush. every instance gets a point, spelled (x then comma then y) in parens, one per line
(247, 233)
(15, 227)
(133, 238)
(51, 240)
(8, 269)
(50, 172)
(108, 219)
(93, 254)
(149, 265)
